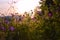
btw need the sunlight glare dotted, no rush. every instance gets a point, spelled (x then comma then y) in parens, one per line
(26, 5)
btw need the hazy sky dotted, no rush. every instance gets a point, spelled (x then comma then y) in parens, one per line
(3, 3)
(4, 6)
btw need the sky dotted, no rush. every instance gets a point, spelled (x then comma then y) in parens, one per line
(4, 5)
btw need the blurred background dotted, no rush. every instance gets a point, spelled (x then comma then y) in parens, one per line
(29, 20)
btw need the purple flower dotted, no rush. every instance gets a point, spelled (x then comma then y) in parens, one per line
(7, 22)
(2, 28)
(50, 14)
(11, 28)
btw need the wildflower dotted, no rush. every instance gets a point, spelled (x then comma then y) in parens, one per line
(11, 28)
(2, 28)
(7, 22)
(50, 14)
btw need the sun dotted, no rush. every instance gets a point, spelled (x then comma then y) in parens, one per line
(26, 5)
